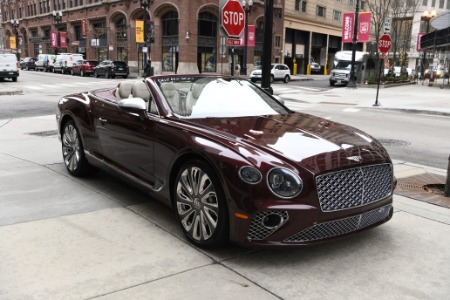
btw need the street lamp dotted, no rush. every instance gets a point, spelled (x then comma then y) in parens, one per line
(247, 9)
(351, 82)
(426, 17)
(57, 18)
(145, 4)
(15, 25)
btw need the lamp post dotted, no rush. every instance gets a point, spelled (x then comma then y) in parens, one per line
(426, 17)
(15, 25)
(351, 83)
(247, 9)
(57, 18)
(145, 4)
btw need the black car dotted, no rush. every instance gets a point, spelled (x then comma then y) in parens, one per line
(111, 69)
(28, 63)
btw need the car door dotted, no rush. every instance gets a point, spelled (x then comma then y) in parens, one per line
(127, 140)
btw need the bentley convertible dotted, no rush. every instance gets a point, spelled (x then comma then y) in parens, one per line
(232, 161)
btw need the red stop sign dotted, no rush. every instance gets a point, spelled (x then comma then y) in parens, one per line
(233, 18)
(384, 44)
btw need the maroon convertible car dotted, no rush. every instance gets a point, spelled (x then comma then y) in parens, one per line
(232, 161)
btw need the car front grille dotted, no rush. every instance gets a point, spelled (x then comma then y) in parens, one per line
(354, 187)
(341, 226)
(340, 75)
(259, 231)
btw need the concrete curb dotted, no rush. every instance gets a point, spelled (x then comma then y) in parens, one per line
(11, 91)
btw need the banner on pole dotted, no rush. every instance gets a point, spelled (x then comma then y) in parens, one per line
(62, 39)
(348, 25)
(139, 31)
(54, 39)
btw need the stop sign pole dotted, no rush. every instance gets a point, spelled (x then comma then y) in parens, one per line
(384, 45)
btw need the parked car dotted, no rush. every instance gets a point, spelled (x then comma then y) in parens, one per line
(84, 67)
(111, 69)
(9, 66)
(277, 71)
(315, 68)
(45, 62)
(28, 63)
(231, 160)
(65, 61)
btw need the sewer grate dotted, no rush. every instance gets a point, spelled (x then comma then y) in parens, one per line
(417, 187)
(393, 142)
(44, 133)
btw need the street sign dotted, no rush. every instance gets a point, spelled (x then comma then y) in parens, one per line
(387, 25)
(233, 18)
(385, 43)
(233, 42)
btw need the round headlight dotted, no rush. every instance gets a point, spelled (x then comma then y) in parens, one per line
(284, 183)
(250, 175)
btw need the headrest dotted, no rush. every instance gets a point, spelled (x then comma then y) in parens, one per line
(196, 89)
(169, 89)
(125, 89)
(140, 89)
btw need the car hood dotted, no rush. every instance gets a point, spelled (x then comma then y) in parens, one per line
(313, 143)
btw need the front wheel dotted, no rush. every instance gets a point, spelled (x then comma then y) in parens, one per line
(73, 151)
(200, 205)
(286, 79)
(95, 74)
(81, 73)
(332, 83)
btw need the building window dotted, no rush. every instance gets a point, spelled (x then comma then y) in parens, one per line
(337, 15)
(300, 5)
(170, 41)
(351, 2)
(363, 5)
(433, 3)
(321, 11)
(425, 3)
(297, 4)
(304, 6)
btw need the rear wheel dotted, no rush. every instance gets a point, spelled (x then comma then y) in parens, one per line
(286, 79)
(200, 205)
(95, 74)
(332, 83)
(73, 151)
(14, 79)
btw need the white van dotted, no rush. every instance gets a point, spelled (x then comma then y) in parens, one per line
(342, 66)
(9, 66)
(65, 61)
(44, 62)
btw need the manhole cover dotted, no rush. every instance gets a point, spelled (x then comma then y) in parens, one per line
(44, 133)
(393, 142)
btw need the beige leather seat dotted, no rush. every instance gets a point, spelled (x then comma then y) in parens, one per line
(192, 97)
(124, 89)
(140, 90)
(170, 92)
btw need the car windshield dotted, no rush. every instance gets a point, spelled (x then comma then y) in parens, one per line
(217, 98)
(119, 63)
(345, 65)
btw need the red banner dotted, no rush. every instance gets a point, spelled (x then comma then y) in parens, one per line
(54, 39)
(83, 27)
(62, 38)
(251, 37)
(419, 37)
(363, 27)
(347, 27)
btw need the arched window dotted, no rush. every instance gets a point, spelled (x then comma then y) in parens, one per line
(121, 40)
(207, 42)
(170, 41)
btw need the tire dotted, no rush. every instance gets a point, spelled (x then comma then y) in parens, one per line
(81, 73)
(200, 206)
(286, 79)
(106, 74)
(95, 74)
(125, 76)
(14, 79)
(272, 78)
(332, 83)
(53, 70)
(26, 68)
(73, 151)
(253, 80)
(72, 73)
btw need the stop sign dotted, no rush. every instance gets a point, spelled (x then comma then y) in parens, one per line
(233, 18)
(384, 44)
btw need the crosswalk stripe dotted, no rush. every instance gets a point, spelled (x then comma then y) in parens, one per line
(34, 87)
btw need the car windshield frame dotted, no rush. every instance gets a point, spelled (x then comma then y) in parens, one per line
(217, 97)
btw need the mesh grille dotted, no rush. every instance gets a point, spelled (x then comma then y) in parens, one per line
(342, 226)
(354, 187)
(258, 231)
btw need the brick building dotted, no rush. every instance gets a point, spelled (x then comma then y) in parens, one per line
(187, 34)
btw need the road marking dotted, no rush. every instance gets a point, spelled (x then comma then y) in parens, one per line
(352, 110)
(34, 87)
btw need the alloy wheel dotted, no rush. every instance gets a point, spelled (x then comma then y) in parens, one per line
(71, 148)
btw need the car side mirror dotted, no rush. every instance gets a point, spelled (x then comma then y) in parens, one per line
(132, 104)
